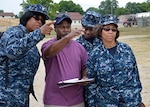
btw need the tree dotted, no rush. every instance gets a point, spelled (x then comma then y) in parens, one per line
(108, 6)
(148, 6)
(70, 6)
(132, 7)
(121, 11)
(93, 9)
(144, 7)
(1, 10)
(141, 7)
(138, 7)
(51, 7)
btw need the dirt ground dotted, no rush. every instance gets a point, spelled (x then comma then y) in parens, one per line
(141, 49)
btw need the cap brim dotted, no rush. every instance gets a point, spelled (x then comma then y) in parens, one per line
(110, 23)
(60, 20)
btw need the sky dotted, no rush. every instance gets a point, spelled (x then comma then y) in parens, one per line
(14, 5)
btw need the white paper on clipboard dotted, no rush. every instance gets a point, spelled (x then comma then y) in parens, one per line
(76, 80)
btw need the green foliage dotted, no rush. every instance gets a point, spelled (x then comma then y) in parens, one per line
(111, 7)
(93, 9)
(125, 31)
(146, 5)
(52, 7)
(121, 11)
(105, 7)
(1, 10)
(108, 6)
(138, 7)
(69, 6)
(132, 7)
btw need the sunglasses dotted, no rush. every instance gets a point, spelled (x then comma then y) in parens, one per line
(112, 29)
(36, 17)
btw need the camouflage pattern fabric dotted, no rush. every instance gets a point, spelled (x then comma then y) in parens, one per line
(109, 18)
(87, 45)
(117, 82)
(37, 8)
(20, 47)
(90, 19)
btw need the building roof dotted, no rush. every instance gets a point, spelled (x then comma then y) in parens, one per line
(75, 15)
(3, 14)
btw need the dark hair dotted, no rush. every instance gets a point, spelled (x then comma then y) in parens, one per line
(98, 31)
(27, 15)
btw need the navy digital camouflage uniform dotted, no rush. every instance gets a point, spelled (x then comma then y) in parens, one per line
(87, 45)
(89, 19)
(20, 47)
(117, 82)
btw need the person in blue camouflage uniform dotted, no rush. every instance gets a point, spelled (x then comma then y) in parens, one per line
(114, 67)
(88, 40)
(89, 20)
(18, 45)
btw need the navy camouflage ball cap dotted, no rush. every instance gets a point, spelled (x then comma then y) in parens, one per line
(37, 8)
(63, 16)
(90, 19)
(109, 19)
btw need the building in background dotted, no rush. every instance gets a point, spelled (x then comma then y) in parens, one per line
(7, 15)
(143, 19)
(76, 19)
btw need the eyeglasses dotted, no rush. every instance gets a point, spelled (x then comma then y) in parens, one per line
(36, 17)
(112, 29)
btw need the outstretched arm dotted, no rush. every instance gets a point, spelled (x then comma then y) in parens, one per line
(57, 46)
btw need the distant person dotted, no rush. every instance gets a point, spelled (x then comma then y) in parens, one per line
(89, 20)
(20, 58)
(113, 65)
(64, 59)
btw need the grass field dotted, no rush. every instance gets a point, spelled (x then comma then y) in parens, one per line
(134, 31)
(140, 45)
(130, 31)
(6, 22)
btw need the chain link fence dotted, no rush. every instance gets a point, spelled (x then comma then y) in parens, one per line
(143, 22)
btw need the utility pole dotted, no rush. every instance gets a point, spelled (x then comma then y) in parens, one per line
(111, 7)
